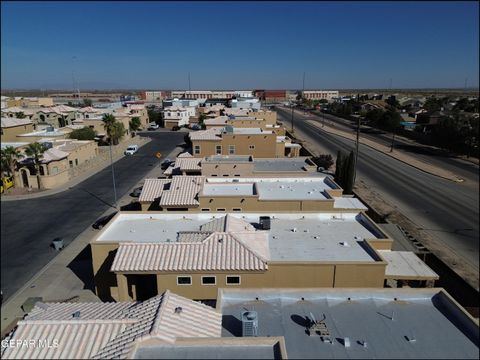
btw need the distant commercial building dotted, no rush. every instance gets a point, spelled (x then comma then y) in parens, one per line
(209, 94)
(242, 141)
(271, 95)
(320, 94)
(152, 96)
(195, 254)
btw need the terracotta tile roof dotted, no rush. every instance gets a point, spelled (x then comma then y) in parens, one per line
(152, 189)
(227, 223)
(183, 191)
(192, 236)
(185, 155)
(53, 154)
(219, 120)
(210, 134)
(219, 252)
(114, 332)
(188, 164)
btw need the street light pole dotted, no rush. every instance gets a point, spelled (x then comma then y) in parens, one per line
(356, 150)
(292, 120)
(393, 140)
(113, 176)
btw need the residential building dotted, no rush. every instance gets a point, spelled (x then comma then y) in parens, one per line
(195, 254)
(152, 96)
(320, 95)
(282, 323)
(56, 161)
(28, 102)
(57, 116)
(48, 133)
(13, 112)
(242, 141)
(180, 103)
(351, 323)
(11, 127)
(239, 194)
(243, 122)
(177, 116)
(245, 103)
(109, 330)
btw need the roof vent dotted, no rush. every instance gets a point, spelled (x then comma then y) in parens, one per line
(249, 323)
(344, 244)
(76, 314)
(364, 343)
(346, 342)
(178, 310)
(294, 230)
(265, 222)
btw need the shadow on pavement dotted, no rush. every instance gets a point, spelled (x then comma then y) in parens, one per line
(82, 267)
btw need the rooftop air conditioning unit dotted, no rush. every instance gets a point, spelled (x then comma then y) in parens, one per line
(249, 323)
(265, 222)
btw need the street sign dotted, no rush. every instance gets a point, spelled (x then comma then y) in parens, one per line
(158, 155)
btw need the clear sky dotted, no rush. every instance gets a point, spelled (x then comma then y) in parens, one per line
(239, 45)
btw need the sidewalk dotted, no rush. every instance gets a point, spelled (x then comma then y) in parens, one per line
(117, 154)
(396, 154)
(68, 276)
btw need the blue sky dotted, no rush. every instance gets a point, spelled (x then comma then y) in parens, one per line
(239, 45)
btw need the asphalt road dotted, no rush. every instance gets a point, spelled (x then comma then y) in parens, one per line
(29, 226)
(464, 169)
(448, 211)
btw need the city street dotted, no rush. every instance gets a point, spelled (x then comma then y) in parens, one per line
(29, 226)
(448, 211)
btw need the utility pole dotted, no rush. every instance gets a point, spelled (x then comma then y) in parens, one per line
(113, 176)
(356, 150)
(189, 89)
(292, 120)
(393, 141)
(303, 91)
(465, 87)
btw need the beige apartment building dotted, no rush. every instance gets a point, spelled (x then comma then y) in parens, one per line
(140, 255)
(11, 127)
(198, 193)
(242, 141)
(243, 122)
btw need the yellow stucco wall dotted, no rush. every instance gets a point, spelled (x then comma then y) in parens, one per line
(10, 134)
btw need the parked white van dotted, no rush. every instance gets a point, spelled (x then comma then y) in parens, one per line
(132, 149)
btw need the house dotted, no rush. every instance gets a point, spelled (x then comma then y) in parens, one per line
(242, 141)
(195, 254)
(177, 116)
(240, 194)
(57, 116)
(11, 127)
(243, 122)
(13, 111)
(60, 157)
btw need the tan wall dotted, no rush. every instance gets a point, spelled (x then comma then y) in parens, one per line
(37, 138)
(56, 174)
(85, 153)
(382, 244)
(105, 281)
(14, 103)
(278, 275)
(265, 145)
(269, 116)
(169, 124)
(231, 169)
(10, 134)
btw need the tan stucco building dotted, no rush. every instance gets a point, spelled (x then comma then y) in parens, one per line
(11, 127)
(242, 141)
(137, 256)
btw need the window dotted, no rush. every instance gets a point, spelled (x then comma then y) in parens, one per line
(236, 175)
(236, 209)
(196, 149)
(76, 162)
(209, 280)
(205, 209)
(71, 163)
(214, 175)
(231, 149)
(233, 280)
(220, 209)
(251, 147)
(218, 149)
(184, 280)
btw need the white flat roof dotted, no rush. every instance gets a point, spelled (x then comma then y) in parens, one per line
(13, 144)
(292, 237)
(228, 189)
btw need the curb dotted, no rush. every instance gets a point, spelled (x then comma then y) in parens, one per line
(67, 186)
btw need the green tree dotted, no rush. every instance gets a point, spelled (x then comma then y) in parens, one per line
(349, 173)
(87, 102)
(85, 133)
(118, 132)
(9, 158)
(134, 124)
(20, 115)
(35, 151)
(391, 122)
(324, 161)
(339, 168)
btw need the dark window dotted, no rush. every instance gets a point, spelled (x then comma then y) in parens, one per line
(184, 280)
(209, 280)
(233, 280)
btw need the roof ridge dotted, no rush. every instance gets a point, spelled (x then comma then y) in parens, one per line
(248, 248)
(159, 313)
(74, 321)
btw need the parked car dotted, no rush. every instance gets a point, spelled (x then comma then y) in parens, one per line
(101, 222)
(175, 128)
(132, 149)
(5, 183)
(165, 164)
(136, 192)
(195, 127)
(153, 127)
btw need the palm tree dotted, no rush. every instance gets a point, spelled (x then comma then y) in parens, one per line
(35, 151)
(9, 158)
(112, 128)
(134, 124)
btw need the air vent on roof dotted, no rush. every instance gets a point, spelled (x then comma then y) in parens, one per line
(344, 244)
(294, 230)
(249, 323)
(178, 310)
(265, 222)
(76, 314)
(346, 342)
